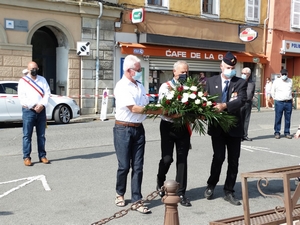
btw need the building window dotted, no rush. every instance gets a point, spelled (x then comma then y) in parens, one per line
(207, 6)
(295, 14)
(252, 10)
(155, 2)
(157, 5)
(210, 7)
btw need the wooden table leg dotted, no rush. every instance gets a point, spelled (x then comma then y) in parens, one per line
(287, 200)
(245, 200)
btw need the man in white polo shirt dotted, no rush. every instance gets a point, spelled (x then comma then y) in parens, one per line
(282, 94)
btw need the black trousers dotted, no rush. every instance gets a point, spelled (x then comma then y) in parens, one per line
(245, 115)
(233, 146)
(179, 137)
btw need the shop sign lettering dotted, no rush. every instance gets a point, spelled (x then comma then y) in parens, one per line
(193, 55)
(181, 54)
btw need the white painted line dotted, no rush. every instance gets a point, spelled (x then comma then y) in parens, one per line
(263, 149)
(42, 178)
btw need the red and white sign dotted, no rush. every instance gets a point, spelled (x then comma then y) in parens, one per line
(248, 35)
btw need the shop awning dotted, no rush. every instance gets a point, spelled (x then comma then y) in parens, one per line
(147, 50)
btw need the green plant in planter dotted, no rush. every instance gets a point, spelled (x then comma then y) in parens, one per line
(296, 90)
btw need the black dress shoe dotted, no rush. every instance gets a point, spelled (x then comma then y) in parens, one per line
(247, 139)
(158, 188)
(231, 199)
(185, 201)
(209, 192)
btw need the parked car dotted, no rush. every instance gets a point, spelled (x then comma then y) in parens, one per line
(61, 109)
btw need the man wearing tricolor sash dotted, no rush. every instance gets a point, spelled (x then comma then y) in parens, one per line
(34, 93)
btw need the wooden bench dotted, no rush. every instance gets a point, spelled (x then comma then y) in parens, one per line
(287, 214)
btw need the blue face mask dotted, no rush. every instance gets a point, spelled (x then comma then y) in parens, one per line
(244, 76)
(284, 77)
(229, 73)
(182, 78)
(137, 75)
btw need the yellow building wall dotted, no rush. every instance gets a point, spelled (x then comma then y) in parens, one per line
(133, 3)
(234, 11)
(190, 7)
(231, 11)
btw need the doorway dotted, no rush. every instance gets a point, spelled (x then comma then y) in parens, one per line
(44, 44)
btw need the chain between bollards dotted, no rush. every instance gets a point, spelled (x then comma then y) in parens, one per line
(170, 199)
(134, 206)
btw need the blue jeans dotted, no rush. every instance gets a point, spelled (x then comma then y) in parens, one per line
(129, 144)
(282, 107)
(31, 119)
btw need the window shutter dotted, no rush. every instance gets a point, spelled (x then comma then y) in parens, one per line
(296, 14)
(252, 10)
(256, 7)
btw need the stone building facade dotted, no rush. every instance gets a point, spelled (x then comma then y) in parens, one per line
(50, 33)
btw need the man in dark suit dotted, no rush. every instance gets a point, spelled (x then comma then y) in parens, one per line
(247, 108)
(232, 96)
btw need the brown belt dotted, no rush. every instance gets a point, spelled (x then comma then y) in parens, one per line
(127, 124)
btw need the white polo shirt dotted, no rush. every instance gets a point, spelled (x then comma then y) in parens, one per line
(127, 93)
(282, 90)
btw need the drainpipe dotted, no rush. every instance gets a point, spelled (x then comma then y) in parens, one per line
(97, 59)
(265, 29)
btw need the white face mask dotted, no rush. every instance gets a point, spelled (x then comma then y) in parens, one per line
(229, 73)
(284, 77)
(137, 75)
(244, 76)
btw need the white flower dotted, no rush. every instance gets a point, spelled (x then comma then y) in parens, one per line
(193, 88)
(158, 105)
(185, 95)
(185, 87)
(197, 101)
(184, 99)
(200, 94)
(209, 103)
(193, 96)
(204, 99)
(170, 95)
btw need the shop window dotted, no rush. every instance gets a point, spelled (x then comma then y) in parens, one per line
(210, 7)
(252, 10)
(295, 11)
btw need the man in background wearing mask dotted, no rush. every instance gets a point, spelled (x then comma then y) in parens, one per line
(282, 94)
(247, 108)
(129, 132)
(232, 96)
(34, 93)
(171, 136)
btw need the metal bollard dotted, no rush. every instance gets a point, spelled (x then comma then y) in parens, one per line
(170, 200)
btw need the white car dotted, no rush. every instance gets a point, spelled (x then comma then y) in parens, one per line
(61, 109)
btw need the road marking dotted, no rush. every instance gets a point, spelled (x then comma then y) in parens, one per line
(42, 178)
(263, 149)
